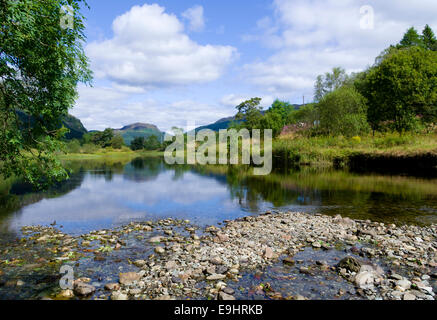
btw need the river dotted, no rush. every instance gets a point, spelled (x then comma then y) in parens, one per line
(111, 193)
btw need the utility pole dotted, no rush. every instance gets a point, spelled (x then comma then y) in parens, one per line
(304, 100)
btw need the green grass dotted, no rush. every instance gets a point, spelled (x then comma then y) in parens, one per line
(110, 153)
(322, 150)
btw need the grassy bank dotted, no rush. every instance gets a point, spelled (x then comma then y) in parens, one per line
(327, 151)
(110, 153)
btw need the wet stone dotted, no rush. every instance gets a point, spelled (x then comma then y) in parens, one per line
(119, 296)
(84, 289)
(214, 277)
(221, 269)
(112, 286)
(225, 297)
(129, 278)
(228, 290)
(289, 261)
(350, 264)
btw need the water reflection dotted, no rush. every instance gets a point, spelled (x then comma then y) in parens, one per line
(104, 194)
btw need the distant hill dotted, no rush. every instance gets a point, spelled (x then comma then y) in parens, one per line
(225, 122)
(77, 130)
(135, 130)
(218, 125)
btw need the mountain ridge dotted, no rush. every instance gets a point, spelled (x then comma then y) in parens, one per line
(138, 126)
(138, 129)
(77, 129)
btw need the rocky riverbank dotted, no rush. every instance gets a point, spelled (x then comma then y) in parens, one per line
(171, 259)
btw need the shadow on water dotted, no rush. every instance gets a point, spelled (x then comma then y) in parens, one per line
(102, 194)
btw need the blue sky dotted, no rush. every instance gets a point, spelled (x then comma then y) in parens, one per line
(169, 62)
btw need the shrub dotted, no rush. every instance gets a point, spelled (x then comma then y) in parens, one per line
(73, 146)
(89, 148)
(343, 112)
(117, 142)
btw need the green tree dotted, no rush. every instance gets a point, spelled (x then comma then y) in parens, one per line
(137, 143)
(428, 38)
(283, 108)
(343, 112)
(402, 87)
(272, 120)
(152, 143)
(411, 38)
(329, 82)
(275, 118)
(40, 65)
(103, 138)
(307, 114)
(250, 112)
(117, 141)
(73, 146)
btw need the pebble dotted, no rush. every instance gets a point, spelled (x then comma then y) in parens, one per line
(112, 286)
(364, 279)
(84, 289)
(214, 277)
(139, 263)
(66, 294)
(409, 296)
(226, 297)
(116, 295)
(316, 244)
(395, 276)
(129, 278)
(216, 261)
(288, 260)
(268, 253)
(403, 284)
(155, 239)
(159, 250)
(20, 283)
(228, 290)
(234, 271)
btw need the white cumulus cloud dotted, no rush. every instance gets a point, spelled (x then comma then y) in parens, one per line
(312, 37)
(105, 107)
(233, 100)
(149, 49)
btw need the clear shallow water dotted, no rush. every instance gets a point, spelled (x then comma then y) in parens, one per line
(103, 195)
